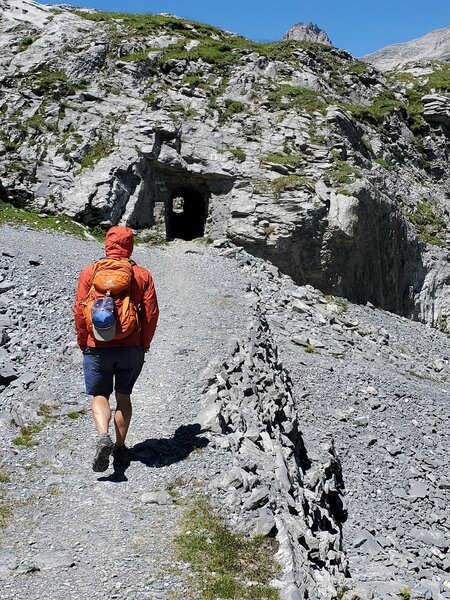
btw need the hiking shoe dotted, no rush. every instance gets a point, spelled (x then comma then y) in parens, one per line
(121, 459)
(104, 450)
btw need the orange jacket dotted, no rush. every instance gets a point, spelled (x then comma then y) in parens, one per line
(119, 244)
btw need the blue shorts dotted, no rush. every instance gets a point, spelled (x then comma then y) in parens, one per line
(116, 368)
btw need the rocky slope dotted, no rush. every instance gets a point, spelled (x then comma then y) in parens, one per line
(433, 46)
(317, 422)
(332, 170)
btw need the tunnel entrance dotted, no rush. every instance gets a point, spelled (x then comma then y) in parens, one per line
(186, 215)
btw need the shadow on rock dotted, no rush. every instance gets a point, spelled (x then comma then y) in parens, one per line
(166, 451)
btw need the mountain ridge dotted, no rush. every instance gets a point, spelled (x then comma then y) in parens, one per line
(434, 45)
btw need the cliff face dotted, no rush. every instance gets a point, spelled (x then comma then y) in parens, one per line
(334, 171)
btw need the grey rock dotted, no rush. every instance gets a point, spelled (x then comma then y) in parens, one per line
(210, 418)
(53, 560)
(8, 562)
(430, 537)
(418, 489)
(5, 287)
(159, 497)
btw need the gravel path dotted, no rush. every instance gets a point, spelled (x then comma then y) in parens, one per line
(109, 536)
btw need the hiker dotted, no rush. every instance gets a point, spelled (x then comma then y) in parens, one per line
(116, 311)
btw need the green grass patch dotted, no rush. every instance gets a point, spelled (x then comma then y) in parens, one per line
(238, 153)
(98, 233)
(26, 436)
(385, 164)
(150, 99)
(404, 593)
(419, 86)
(195, 81)
(5, 513)
(267, 230)
(341, 303)
(224, 562)
(4, 477)
(51, 83)
(154, 238)
(232, 107)
(288, 183)
(100, 149)
(26, 42)
(206, 240)
(301, 99)
(76, 414)
(29, 218)
(293, 160)
(381, 106)
(430, 223)
(358, 67)
(439, 79)
(343, 173)
(47, 411)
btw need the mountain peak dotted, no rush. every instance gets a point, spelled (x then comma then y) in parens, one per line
(307, 32)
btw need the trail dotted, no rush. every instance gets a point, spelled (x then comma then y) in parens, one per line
(76, 534)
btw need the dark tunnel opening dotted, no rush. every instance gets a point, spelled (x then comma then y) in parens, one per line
(186, 215)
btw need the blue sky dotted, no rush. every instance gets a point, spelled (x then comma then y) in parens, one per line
(356, 25)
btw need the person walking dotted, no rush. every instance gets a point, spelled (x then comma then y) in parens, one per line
(116, 313)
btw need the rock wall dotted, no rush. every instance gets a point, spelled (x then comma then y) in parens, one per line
(275, 488)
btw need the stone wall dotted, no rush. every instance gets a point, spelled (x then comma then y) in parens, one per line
(275, 487)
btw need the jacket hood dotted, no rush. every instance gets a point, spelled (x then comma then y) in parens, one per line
(119, 242)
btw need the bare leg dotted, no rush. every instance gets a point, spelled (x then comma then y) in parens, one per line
(101, 412)
(122, 417)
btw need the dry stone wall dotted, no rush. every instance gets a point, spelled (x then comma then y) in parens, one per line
(275, 488)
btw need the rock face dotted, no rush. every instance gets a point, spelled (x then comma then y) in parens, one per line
(433, 46)
(295, 151)
(307, 32)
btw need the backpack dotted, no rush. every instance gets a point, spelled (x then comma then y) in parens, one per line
(110, 290)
